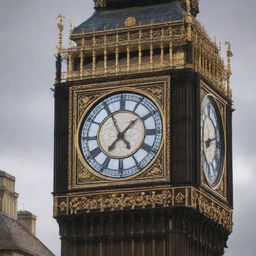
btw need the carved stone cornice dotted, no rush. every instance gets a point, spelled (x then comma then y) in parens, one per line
(148, 198)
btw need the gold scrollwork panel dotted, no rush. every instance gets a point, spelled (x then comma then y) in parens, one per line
(159, 197)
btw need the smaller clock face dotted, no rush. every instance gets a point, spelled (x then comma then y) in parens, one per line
(121, 134)
(212, 145)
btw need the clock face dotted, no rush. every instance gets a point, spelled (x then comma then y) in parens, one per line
(121, 134)
(212, 144)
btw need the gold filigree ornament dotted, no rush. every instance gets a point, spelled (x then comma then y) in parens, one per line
(180, 197)
(157, 92)
(84, 102)
(63, 206)
(155, 170)
(130, 21)
(85, 175)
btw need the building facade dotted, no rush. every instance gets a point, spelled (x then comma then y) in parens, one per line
(17, 229)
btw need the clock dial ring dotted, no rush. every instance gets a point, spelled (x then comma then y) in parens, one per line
(212, 141)
(141, 158)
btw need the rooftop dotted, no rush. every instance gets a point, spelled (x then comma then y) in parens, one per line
(109, 19)
(13, 236)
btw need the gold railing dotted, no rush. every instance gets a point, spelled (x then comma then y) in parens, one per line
(164, 45)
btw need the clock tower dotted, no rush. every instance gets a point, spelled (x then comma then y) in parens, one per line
(143, 134)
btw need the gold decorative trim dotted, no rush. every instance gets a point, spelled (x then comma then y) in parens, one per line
(156, 169)
(84, 175)
(159, 197)
(130, 21)
(83, 97)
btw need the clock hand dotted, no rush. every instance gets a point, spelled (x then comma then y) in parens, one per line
(120, 136)
(209, 141)
(112, 146)
(131, 124)
(115, 123)
(127, 143)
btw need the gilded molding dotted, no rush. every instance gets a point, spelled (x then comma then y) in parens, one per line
(158, 197)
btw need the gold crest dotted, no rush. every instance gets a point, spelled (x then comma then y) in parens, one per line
(130, 21)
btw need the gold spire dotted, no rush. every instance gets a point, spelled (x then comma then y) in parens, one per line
(188, 6)
(229, 72)
(60, 25)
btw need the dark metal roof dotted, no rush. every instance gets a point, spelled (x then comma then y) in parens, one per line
(129, 3)
(15, 237)
(146, 15)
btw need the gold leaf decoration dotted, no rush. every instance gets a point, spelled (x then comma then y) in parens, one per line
(157, 92)
(180, 197)
(130, 21)
(155, 170)
(193, 198)
(84, 175)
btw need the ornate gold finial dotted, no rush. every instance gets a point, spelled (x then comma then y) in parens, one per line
(60, 25)
(188, 6)
(229, 72)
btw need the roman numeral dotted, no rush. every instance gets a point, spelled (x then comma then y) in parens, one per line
(121, 164)
(107, 108)
(146, 116)
(146, 147)
(150, 132)
(106, 162)
(91, 120)
(218, 144)
(95, 152)
(136, 162)
(138, 104)
(89, 138)
(122, 103)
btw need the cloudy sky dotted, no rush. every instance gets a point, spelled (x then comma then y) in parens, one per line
(28, 39)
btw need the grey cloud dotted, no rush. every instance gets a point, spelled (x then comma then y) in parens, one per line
(28, 42)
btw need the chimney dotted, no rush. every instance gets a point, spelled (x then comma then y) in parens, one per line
(8, 196)
(28, 221)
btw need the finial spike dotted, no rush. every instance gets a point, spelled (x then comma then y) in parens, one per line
(60, 25)
(188, 6)
(229, 71)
